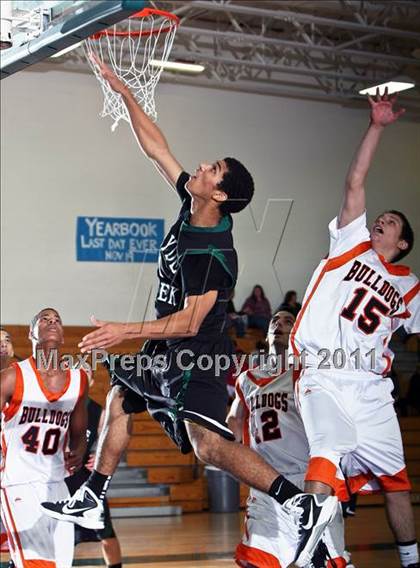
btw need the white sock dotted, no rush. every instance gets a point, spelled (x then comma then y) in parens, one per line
(409, 553)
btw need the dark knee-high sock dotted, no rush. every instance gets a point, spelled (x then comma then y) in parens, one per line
(98, 483)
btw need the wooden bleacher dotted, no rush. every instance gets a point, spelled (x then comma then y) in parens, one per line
(152, 450)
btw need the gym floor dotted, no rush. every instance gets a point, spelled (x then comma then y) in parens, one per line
(208, 540)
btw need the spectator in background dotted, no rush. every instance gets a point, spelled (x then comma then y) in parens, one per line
(237, 320)
(290, 303)
(6, 349)
(258, 309)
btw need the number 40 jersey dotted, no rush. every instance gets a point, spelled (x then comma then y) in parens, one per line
(272, 424)
(35, 426)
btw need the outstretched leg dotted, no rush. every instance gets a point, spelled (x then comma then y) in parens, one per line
(115, 435)
(86, 508)
(311, 513)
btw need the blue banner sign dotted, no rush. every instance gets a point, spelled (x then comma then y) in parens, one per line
(118, 239)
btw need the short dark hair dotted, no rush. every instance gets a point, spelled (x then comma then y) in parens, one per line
(38, 315)
(238, 185)
(407, 235)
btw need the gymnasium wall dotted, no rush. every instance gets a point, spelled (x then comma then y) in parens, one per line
(60, 160)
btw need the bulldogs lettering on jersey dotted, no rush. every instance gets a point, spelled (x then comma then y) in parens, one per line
(353, 304)
(35, 426)
(273, 426)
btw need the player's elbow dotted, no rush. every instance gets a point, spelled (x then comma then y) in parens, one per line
(158, 153)
(354, 186)
(191, 331)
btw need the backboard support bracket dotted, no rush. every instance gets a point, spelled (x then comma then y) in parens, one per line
(65, 34)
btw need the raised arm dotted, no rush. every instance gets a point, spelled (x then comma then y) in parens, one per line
(149, 136)
(184, 323)
(382, 114)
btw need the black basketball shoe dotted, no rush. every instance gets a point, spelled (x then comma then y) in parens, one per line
(84, 509)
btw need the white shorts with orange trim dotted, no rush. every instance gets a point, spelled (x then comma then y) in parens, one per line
(35, 540)
(269, 539)
(352, 417)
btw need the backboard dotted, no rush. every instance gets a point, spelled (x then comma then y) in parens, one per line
(34, 30)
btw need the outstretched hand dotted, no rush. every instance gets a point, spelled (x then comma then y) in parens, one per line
(107, 335)
(382, 111)
(114, 82)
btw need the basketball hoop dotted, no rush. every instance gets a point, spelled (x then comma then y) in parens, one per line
(136, 56)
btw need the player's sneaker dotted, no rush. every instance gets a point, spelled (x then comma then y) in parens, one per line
(83, 509)
(311, 513)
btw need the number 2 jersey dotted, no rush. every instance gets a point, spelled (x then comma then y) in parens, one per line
(353, 304)
(35, 426)
(272, 425)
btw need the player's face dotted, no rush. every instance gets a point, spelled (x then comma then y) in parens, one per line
(48, 327)
(204, 183)
(386, 232)
(6, 345)
(280, 327)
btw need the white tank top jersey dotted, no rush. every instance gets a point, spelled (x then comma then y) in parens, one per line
(35, 426)
(353, 304)
(272, 425)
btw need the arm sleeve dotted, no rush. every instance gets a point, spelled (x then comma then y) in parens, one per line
(202, 273)
(344, 239)
(180, 186)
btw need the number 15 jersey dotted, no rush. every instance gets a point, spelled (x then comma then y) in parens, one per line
(272, 425)
(35, 426)
(353, 304)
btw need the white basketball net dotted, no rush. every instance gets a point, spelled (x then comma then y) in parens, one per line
(131, 57)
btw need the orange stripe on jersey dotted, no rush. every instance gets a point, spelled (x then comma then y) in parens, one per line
(17, 397)
(255, 556)
(411, 293)
(245, 427)
(39, 564)
(395, 269)
(262, 382)
(346, 257)
(330, 264)
(321, 469)
(13, 532)
(3, 452)
(50, 395)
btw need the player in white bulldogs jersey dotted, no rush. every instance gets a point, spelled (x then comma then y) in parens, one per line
(355, 301)
(264, 416)
(43, 439)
